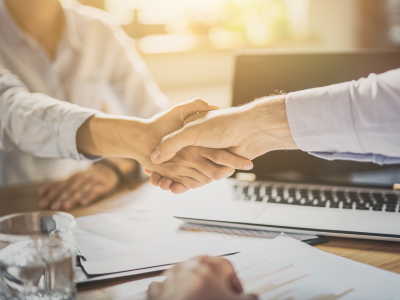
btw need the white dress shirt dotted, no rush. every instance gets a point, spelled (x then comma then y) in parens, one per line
(357, 120)
(96, 68)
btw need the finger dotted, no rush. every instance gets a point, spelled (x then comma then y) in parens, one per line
(194, 173)
(155, 179)
(211, 170)
(93, 194)
(178, 188)
(77, 196)
(54, 192)
(154, 291)
(189, 182)
(44, 189)
(165, 183)
(68, 190)
(225, 158)
(216, 172)
(235, 283)
(193, 106)
(174, 142)
(195, 117)
(51, 190)
(147, 172)
(224, 268)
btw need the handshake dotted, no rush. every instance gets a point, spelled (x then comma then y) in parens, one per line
(193, 143)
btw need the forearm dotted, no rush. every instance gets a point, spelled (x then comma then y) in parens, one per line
(107, 135)
(268, 116)
(247, 131)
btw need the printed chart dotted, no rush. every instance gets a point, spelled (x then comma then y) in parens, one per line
(288, 269)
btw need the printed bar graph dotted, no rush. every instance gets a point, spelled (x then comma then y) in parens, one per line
(270, 287)
(253, 265)
(332, 296)
(287, 269)
(260, 276)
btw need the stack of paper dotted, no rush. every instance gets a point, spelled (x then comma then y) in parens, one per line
(285, 268)
(145, 242)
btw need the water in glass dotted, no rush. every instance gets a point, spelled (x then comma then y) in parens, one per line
(37, 269)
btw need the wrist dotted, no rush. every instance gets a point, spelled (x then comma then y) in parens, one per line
(271, 123)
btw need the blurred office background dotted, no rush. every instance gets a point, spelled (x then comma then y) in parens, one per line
(189, 45)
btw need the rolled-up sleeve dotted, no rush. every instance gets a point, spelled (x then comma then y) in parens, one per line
(37, 124)
(357, 120)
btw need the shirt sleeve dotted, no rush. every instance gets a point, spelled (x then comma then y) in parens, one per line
(131, 79)
(357, 120)
(38, 124)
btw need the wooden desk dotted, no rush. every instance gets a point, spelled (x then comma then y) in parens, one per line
(384, 255)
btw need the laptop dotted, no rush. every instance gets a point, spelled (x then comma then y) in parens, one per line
(293, 191)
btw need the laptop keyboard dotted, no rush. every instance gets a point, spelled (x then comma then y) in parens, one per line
(335, 198)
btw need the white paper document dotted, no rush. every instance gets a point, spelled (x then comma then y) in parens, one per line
(113, 243)
(285, 268)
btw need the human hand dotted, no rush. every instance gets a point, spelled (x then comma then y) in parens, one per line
(201, 278)
(129, 137)
(193, 166)
(210, 161)
(247, 131)
(81, 188)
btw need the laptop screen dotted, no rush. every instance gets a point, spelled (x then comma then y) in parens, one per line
(262, 73)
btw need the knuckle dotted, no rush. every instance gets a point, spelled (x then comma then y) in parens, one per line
(198, 101)
(176, 108)
(225, 263)
(202, 259)
(205, 272)
(177, 268)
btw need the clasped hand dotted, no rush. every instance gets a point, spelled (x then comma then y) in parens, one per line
(192, 166)
(247, 131)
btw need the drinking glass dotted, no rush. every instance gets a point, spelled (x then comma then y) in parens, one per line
(37, 256)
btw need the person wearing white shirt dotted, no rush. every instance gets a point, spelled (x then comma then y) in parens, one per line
(357, 120)
(78, 55)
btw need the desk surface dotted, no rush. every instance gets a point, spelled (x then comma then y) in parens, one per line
(384, 255)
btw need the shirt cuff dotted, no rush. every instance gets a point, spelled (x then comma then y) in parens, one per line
(69, 126)
(368, 157)
(320, 119)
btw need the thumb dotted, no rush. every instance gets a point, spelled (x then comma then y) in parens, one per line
(173, 143)
(192, 107)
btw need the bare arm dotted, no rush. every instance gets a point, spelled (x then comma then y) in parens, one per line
(249, 131)
(124, 137)
(355, 120)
